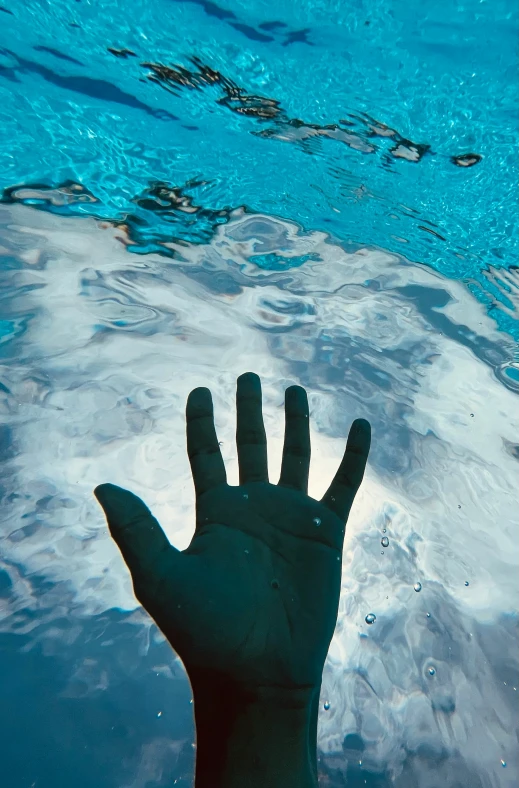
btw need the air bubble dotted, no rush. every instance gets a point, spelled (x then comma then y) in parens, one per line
(326, 705)
(246, 551)
(384, 541)
(417, 586)
(317, 520)
(370, 618)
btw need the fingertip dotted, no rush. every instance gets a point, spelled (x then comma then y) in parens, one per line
(119, 504)
(361, 427)
(359, 439)
(103, 491)
(248, 387)
(204, 390)
(249, 379)
(199, 403)
(103, 486)
(295, 391)
(109, 497)
(296, 401)
(200, 393)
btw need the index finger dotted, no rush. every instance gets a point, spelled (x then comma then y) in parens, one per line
(203, 449)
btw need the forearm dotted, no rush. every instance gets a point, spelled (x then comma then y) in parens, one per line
(254, 739)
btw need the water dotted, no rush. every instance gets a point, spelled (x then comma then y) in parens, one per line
(158, 236)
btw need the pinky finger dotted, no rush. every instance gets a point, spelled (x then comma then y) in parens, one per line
(343, 489)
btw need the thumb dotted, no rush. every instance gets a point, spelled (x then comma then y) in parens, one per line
(142, 542)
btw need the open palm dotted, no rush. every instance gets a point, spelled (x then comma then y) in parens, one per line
(255, 595)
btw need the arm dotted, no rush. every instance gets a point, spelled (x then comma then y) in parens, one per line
(256, 739)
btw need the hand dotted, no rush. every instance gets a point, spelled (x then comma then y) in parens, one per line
(255, 596)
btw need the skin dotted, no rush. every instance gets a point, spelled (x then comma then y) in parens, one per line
(251, 605)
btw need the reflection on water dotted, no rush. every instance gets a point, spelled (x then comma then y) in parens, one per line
(98, 356)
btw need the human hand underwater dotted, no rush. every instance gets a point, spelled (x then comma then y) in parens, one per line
(254, 598)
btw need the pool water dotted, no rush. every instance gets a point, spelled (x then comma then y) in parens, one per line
(324, 193)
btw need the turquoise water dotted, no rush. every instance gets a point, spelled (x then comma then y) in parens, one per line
(442, 76)
(323, 192)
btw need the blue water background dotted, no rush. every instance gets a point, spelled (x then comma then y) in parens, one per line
(441, 74)
(89, 691)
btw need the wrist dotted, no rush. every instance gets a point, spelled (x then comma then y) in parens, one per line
(259, 737)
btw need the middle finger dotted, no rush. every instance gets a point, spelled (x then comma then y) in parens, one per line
(251, 440)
